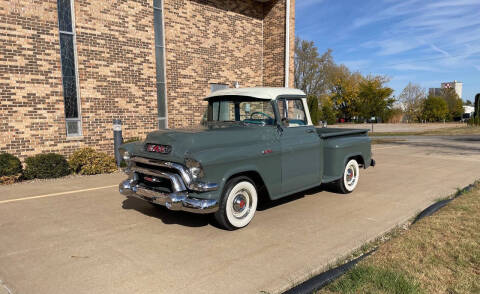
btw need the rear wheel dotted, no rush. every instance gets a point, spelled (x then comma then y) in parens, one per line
(350, 177)
(237, 204)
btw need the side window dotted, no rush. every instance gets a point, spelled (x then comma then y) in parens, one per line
(293, 111)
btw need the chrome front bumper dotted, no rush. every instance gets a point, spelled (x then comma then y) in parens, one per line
(181, 183)
(173, 201)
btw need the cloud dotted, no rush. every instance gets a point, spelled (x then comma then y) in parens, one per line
(392, 46)
(413, 67)
(403, 78)
(422, 35)
(356, 64)
(449, 3)
(435, 48)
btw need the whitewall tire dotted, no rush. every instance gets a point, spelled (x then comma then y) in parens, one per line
(351, 175)
(238, 204)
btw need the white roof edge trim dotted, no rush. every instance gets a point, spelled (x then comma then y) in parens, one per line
(257, 92)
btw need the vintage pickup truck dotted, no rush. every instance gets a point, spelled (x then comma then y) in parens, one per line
(254, 143)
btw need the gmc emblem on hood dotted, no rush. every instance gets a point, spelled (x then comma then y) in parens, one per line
(164, 149)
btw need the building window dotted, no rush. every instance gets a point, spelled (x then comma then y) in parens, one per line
(216, 87)
(66, 29)
(160, 60)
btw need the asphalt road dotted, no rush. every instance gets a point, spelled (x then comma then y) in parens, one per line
(79, 235)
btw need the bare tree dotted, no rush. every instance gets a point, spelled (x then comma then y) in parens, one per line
(412, 99)
(311, 69)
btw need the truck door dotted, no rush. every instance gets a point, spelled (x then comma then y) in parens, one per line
(300, 145)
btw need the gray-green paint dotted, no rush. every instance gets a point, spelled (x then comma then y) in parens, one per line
(300, 158)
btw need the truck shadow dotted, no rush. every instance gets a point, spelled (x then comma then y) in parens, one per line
(168, 217)
(267, 204)
(182, 218)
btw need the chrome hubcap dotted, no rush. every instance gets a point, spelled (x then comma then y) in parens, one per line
(241, 204)
(351, 175)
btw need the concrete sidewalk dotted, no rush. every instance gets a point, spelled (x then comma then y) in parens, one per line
(97, 241)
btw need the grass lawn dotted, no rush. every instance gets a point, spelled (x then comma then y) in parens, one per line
(466, 130)
(438, 254)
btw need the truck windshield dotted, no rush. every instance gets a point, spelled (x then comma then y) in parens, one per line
(250, 111)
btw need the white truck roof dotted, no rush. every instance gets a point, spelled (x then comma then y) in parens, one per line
(257, 92)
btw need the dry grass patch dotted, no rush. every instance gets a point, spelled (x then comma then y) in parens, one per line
(439, 254)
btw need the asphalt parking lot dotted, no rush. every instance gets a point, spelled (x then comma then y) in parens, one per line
(79, 235)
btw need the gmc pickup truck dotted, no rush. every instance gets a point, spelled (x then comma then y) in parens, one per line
(254, 143)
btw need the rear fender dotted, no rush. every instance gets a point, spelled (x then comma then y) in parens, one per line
(356, 154)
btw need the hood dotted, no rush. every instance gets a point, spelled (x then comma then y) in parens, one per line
(190, 142)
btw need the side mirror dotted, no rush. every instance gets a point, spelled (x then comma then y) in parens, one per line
(285, 122)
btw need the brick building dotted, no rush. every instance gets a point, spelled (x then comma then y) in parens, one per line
(69, 67)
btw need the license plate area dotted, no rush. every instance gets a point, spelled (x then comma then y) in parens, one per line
(152, 196)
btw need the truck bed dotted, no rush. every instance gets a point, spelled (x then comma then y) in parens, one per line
(341, 144)
(325, 133)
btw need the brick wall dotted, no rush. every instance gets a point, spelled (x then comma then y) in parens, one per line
(207, 41)
(31, 104)
(274, 42)
(116, 66)
(116, 69)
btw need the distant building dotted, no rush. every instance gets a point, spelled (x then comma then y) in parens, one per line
(435, 92)
(468, 109)
(456, 85)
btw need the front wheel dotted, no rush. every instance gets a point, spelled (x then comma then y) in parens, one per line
(237, 204)
(349, 181)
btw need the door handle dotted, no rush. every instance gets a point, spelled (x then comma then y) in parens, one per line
(310, 131)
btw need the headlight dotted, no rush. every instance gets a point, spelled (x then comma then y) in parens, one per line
(194, 167)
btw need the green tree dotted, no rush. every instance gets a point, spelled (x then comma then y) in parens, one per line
(454, 103)
(469, 103)
(312, 102)
(344, 88)
(374, 98)
(327, 111)
(476, 114)
(412, 99)
(435, 109)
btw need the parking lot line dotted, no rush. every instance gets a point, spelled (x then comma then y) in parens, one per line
(55, 194)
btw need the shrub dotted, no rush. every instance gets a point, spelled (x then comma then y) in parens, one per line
(10, 165)
(435, 109)
(87, 161)
(45, 166)
(475, 121)
(6, 180)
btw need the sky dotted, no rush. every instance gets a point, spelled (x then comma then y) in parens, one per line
(421, 41)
